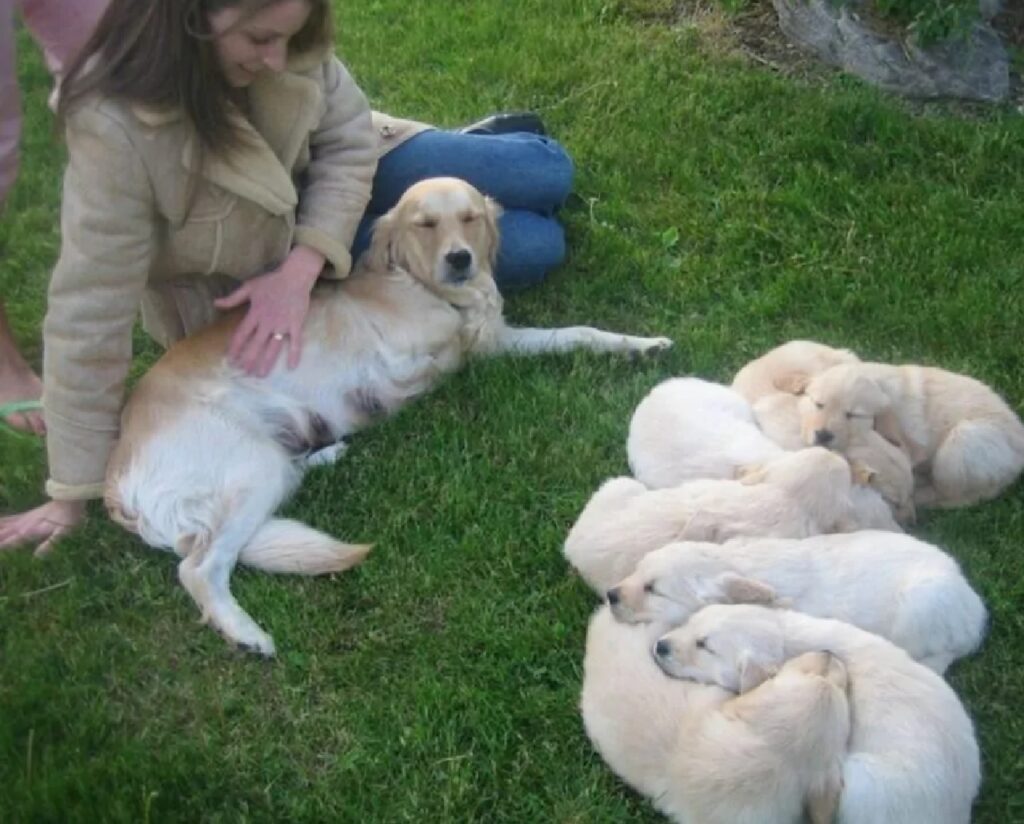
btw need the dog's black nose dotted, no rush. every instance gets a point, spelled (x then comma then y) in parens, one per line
(822, 437)
(613, 596)
(459, 260)
(662, 648)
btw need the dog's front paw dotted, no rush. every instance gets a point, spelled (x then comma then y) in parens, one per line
(648, 346)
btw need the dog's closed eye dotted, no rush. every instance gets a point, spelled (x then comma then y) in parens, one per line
(426, 223)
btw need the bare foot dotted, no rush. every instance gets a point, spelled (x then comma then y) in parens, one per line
(19, 383)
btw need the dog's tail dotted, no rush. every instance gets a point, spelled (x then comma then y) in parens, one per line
(285, 546)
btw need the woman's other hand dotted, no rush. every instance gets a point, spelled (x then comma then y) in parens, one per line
(278, 305)
(41, 526)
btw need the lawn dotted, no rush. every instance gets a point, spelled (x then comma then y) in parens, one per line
(719, 204)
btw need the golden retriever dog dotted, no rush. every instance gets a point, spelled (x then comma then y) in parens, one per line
(912, 755)
(207, 453)
(922, 603)
(797, 495)
(788, 368)
(965, 443)
(704, 756)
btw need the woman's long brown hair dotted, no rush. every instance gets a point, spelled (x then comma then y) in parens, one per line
(160, 53)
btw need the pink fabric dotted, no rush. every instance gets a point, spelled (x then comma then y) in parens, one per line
(60, 27)
(10, 103)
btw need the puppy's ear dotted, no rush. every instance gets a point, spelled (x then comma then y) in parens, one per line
(735, 589)
(795, 383)
(754, 670)
(906, 514)
(861, 473)
(822, 801)
(888, 426)
(701, 527)
(870, 395)
(492, 211)
(380, 256)
(751, 474)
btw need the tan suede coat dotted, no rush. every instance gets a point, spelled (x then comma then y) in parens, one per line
(131, 235)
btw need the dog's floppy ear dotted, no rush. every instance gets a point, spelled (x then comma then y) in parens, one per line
(888, 426)
(701, 527)
(870, 395)
(492, 211)
(906, 513)
(754, 669)
(735, 589)
(822, 801)
(795, 383)
(861, 473)
(751, 474)
(380, 256)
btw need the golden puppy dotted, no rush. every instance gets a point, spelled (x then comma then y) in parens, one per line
(912, 755)
(799, 494)
(706, 757)
(965, 444)
(882, 466)
(208, 453)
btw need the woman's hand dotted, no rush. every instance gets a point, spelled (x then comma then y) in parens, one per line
(278, 305)
(42, 525)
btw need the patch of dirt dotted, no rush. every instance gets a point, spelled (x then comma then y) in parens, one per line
(754, 33)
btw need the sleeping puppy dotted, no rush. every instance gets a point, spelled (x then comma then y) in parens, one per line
(704, 756)
(788, 368)
(912, 756)
(689, 429)
(965, 444)
(207, 453)
(799, 494)
(922, 603)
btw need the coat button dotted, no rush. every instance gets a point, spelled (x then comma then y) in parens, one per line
(387, 130)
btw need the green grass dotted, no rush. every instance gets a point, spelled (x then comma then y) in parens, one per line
(717, 204)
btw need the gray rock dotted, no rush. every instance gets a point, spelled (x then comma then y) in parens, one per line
(976, 67)
(989, 8)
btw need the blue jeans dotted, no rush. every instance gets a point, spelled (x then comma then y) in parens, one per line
(529, 175)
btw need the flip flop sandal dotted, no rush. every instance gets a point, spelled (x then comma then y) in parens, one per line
(13, 408)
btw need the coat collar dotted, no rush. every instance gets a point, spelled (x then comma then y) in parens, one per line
(284, 109)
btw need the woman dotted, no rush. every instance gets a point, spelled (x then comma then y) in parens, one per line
(188, 125)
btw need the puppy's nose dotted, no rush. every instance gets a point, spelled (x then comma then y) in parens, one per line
(459, 260)
(613, 596)
(662, 648)
(822, 437)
